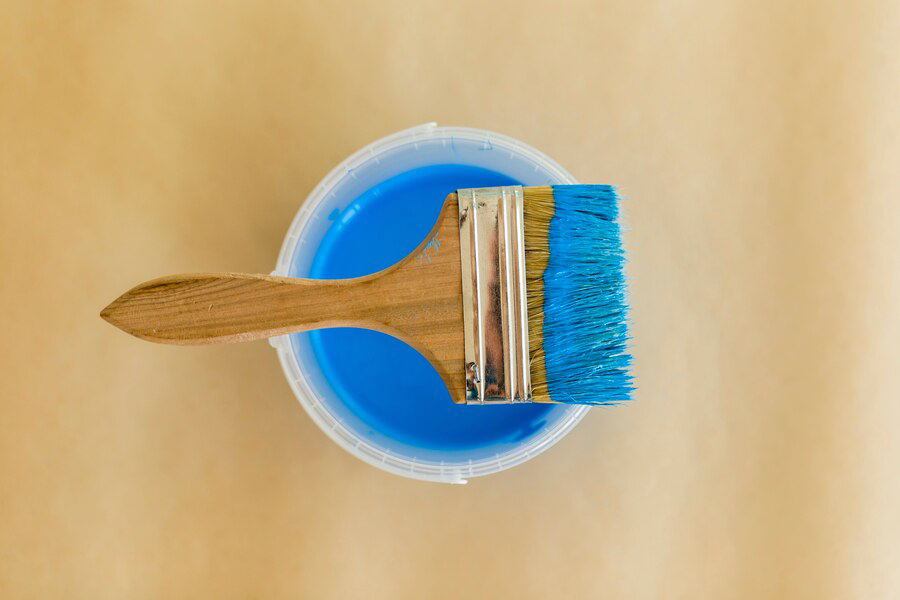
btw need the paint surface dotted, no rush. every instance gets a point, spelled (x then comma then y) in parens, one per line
(386, 384)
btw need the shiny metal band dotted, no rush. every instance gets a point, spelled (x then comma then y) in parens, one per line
(495, 306)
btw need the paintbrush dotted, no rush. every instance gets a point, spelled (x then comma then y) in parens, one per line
(516, 295)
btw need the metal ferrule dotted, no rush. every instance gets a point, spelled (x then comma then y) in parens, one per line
(495, 307)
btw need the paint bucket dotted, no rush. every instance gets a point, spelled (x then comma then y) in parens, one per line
(373, 395)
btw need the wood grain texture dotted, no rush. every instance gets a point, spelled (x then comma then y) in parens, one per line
(418, 300)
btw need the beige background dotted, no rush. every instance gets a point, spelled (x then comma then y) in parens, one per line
(758, 145)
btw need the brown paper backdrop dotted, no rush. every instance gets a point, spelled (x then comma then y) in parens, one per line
(758, 145)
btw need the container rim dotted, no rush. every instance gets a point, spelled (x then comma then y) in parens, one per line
(427, 470)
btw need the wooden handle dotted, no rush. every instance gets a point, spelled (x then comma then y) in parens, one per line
(418, 300)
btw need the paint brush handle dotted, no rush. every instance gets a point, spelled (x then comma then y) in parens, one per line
(418, 300)
(205, 308)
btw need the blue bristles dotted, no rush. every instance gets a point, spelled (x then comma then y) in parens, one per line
(585, 331)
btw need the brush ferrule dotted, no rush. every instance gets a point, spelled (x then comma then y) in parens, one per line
(495, 309)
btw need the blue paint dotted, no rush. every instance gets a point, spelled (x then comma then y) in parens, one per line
(585, 327)
(387, 387)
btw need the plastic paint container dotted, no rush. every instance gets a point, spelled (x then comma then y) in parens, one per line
(372, 394)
